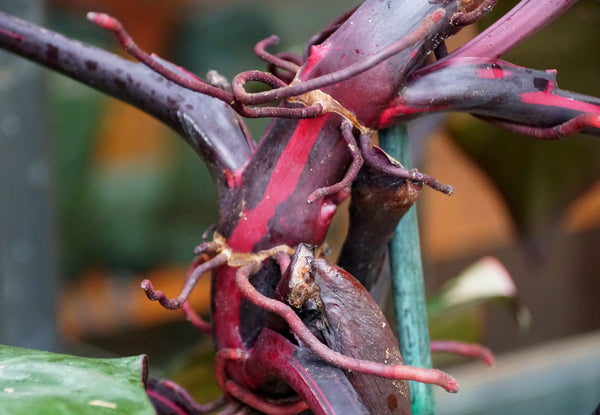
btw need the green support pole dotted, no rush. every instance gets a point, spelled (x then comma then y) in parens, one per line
(407, 282)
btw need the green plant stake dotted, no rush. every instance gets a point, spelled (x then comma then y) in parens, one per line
(407, 282)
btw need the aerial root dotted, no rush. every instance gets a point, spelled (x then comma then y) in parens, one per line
(399, 372)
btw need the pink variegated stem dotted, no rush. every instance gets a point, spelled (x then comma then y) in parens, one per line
(190, 283)
(400, 372)
(240, 94)
(464, 349)
(244, 395)
(519, 23)
(357, 161)
(222, 357)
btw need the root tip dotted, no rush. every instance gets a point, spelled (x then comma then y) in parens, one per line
(148, 288)
(103, 20)
(451, 385)
(488, 359)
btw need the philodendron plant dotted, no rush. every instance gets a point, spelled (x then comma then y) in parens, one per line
(292, 331)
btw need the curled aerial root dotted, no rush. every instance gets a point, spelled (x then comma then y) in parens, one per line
(194, 83)
(474, 350)
(471, 11)
(416, 176)
(285, 75)
(348, 72)
(380, 161)
(261, 52)
(206, 247)
(399, 372)
(357, 162)
(557, 132)
(190, 283)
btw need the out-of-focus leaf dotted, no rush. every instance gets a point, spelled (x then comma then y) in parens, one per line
(483, 281)
(537, 180)
(38, 383)
(457, 310)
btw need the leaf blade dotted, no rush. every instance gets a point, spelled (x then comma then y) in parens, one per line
(37, 382)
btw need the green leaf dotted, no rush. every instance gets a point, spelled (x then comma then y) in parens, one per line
(34, 382)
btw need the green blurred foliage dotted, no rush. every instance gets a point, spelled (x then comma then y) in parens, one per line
(130, 218)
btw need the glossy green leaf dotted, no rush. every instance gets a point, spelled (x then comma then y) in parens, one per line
(34, 382)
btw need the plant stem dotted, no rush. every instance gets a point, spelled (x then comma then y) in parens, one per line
(407, 282)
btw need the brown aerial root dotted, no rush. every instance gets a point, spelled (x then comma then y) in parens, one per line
(222, 255)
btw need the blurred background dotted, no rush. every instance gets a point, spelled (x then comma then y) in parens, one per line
(97, 196)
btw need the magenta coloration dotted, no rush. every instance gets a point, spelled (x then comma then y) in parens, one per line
(275, 353)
